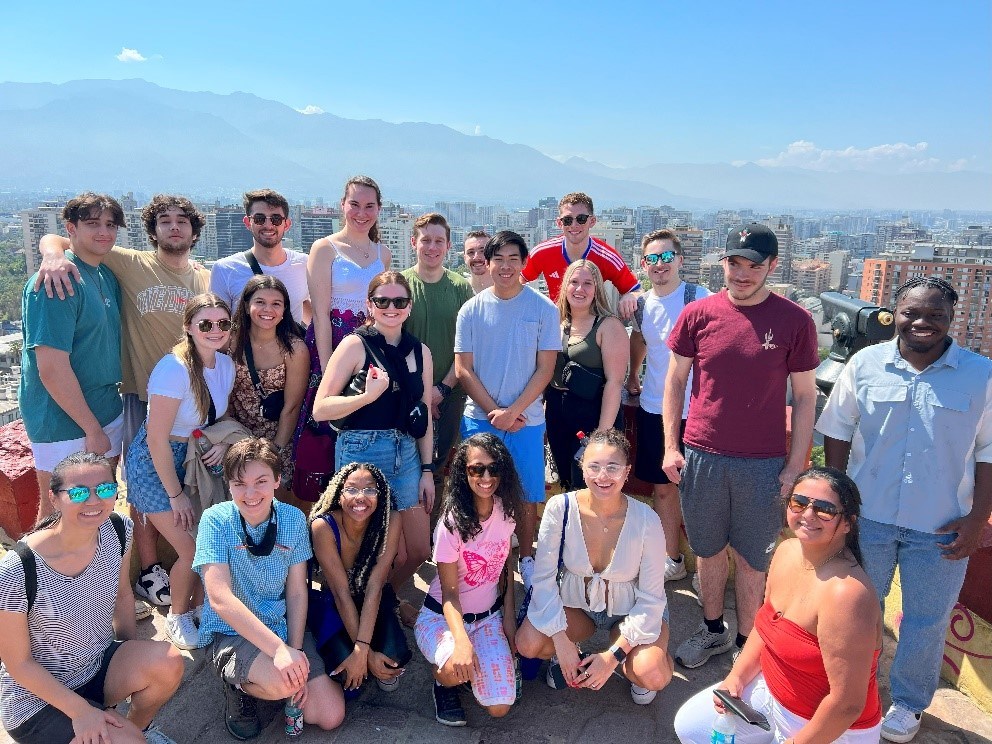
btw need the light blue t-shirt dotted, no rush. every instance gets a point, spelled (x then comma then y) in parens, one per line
(258, 581)
(504, 337)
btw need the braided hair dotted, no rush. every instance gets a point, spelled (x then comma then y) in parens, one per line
(374, 539)
(458, 509)
(930, 282)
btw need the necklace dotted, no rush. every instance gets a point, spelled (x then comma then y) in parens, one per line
(811, 567)
(98, 280)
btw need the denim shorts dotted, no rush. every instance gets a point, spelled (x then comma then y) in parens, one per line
(144, 488)
(390, 450)
(603, 620)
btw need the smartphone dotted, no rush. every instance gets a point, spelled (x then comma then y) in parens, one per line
(739, 708)
(559, 677)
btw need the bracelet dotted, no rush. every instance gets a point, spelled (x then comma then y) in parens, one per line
(427, 467)
(364, 643)
(178, 494)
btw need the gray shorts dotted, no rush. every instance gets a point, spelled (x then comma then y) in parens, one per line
(232, 657)
(732, 501)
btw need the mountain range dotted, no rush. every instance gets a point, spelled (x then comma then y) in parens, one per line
(131, 135)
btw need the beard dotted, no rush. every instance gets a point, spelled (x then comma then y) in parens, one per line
(176, 248)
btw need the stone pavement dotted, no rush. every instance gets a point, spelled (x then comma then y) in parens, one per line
(195, 714)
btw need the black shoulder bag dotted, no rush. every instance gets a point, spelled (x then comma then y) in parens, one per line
(269, 406)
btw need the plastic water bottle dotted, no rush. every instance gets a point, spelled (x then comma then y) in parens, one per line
(294, 718)
(203, 446)
(583, 441)
(724, 729)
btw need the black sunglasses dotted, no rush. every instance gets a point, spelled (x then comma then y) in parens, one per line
(275, 219)
(581, 219)
(665, 257)
(400, 303)
(822, 509)
(477, 471)
(206, 326)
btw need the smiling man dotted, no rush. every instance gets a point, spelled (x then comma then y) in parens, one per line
(475, 259)
(911, 422)
(742, 346)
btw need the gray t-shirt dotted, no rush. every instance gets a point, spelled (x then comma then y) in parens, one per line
(504, 337)
(230, 275)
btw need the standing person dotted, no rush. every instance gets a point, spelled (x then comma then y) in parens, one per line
(468, 622)
(187, 390)
(653, 320)
(811, 666)
(736, 463)
(438, 294)
(268, 347)
(584, 393)
(267, 219)
(475, 259)
(575, 218)
(155, 287)
(252, 553)
(506, 342)
(356, 533)
(71, 358)
(69, 646)
(911, 421)
(386, 416)
(612, 579)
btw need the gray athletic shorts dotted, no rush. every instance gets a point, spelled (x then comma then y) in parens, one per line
(732, 501)
(232, 657)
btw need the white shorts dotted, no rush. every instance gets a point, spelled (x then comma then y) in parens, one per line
(49, 454)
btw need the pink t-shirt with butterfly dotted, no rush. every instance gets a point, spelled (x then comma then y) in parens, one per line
(480, 560)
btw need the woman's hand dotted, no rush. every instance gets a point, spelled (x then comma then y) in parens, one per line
(382, 667)
(376, 382)
(93, 726)
(463, 660)
(568, 658)
(427, 491)
(732, 685)
(596, 669)
(355, 668)
(215, 455)
(182, 511)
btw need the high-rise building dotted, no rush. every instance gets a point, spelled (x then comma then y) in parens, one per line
(397, 232)
(315, 224)
(811, 277)
(229, 234)
(44, 219)
(967, 268)
(782, 227)
(692, 249)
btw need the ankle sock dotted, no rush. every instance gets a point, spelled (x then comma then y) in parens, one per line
(741, 640)
(677, 560)
(714, 626)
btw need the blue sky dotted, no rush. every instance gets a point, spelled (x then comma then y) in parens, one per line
(880, 85)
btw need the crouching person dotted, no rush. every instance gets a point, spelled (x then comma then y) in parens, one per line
(252, 554)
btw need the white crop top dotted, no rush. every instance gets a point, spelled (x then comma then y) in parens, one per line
(170, 379)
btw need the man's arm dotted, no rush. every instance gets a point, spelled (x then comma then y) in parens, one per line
(671, 411)
(62, 385)
(638, 352)
(803, 416)
(969, 528)
(836, 453)
(56, 271)
(507, 418)
(470, 382)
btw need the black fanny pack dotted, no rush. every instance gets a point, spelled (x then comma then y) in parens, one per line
(270, 406)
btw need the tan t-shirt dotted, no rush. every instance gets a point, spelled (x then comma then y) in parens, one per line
(153, 298)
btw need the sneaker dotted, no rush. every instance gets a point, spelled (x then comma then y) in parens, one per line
(696, 589)
(153, 585)
(154, 735)
(900, 724)
(701, 645)
(388, 685)
(197, 613)
(447, 707)
(240, 715)
(182, 631)
(675, 570)
(527, 572)
(641, 695)
(142, 609)
(733, 656)
(555, 674)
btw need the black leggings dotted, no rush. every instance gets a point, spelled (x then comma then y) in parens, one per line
(565, 415)
(387, 637)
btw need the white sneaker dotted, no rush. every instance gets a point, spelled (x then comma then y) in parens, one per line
(197, 613)
(153, 585)
(182, 631)
(641, 695)
(675, 570)
(900, 724)
(388, 685)
(527, 572)
(142, 609)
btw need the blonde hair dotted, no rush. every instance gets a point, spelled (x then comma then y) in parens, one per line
(600, 305)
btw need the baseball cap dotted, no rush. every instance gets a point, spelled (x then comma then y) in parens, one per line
(755, 242)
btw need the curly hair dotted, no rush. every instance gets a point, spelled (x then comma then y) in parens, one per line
(162, 203)
(287, 328)
(850, 500)
(374, 539)
(458, 508)
(611, 438)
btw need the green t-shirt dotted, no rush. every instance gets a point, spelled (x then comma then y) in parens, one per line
(435, 311)
(87, 325)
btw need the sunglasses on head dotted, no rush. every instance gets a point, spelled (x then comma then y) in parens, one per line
(568, 219)
(275, 219)
(400, 303)
(822, 509)
(79, 494)
(665, 257)
(206, 326)
(477, 471)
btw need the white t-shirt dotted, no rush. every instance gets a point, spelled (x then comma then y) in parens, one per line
(660, 314)
(230, 275)
(170, 379)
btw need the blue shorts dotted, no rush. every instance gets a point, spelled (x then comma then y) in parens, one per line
(144, 488)
(390, 450)
(527, 449)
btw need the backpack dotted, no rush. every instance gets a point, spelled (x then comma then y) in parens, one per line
(688, 296)
(31, 568)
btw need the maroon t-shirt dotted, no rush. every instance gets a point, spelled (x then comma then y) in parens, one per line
(742, 357)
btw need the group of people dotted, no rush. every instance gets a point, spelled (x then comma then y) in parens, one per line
(331, 383)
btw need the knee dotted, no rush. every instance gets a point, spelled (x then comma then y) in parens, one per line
(498, 711)
(529, 642)
(329, 716)
(171, 667)
(657, 677)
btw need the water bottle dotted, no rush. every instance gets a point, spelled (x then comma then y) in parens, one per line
(519, 678)
(724, 729)
(583, 441)
(294, 718)
(203, 446)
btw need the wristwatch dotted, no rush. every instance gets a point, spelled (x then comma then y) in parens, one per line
(618, 653)
(445, 390)
(427, 467)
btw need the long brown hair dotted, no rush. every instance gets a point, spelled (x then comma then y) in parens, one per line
(185, 350)
(600, 305)
(286, 330)
(369, 183)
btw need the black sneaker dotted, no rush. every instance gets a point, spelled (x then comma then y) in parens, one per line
(447, 708)
(240, 715)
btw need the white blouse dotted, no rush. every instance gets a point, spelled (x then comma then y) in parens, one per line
(633, 584)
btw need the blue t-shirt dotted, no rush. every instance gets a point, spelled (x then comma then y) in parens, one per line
(258, 581)
(87, 326)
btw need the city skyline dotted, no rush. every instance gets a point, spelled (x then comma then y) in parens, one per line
(879, 87)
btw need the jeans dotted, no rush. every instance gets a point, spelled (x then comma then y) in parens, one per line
(930, 588)
(392, 451)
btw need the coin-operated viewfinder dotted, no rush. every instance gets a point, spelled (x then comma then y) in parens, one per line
(855, 324)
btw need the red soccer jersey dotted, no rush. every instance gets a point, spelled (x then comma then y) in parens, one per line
(549, 258)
